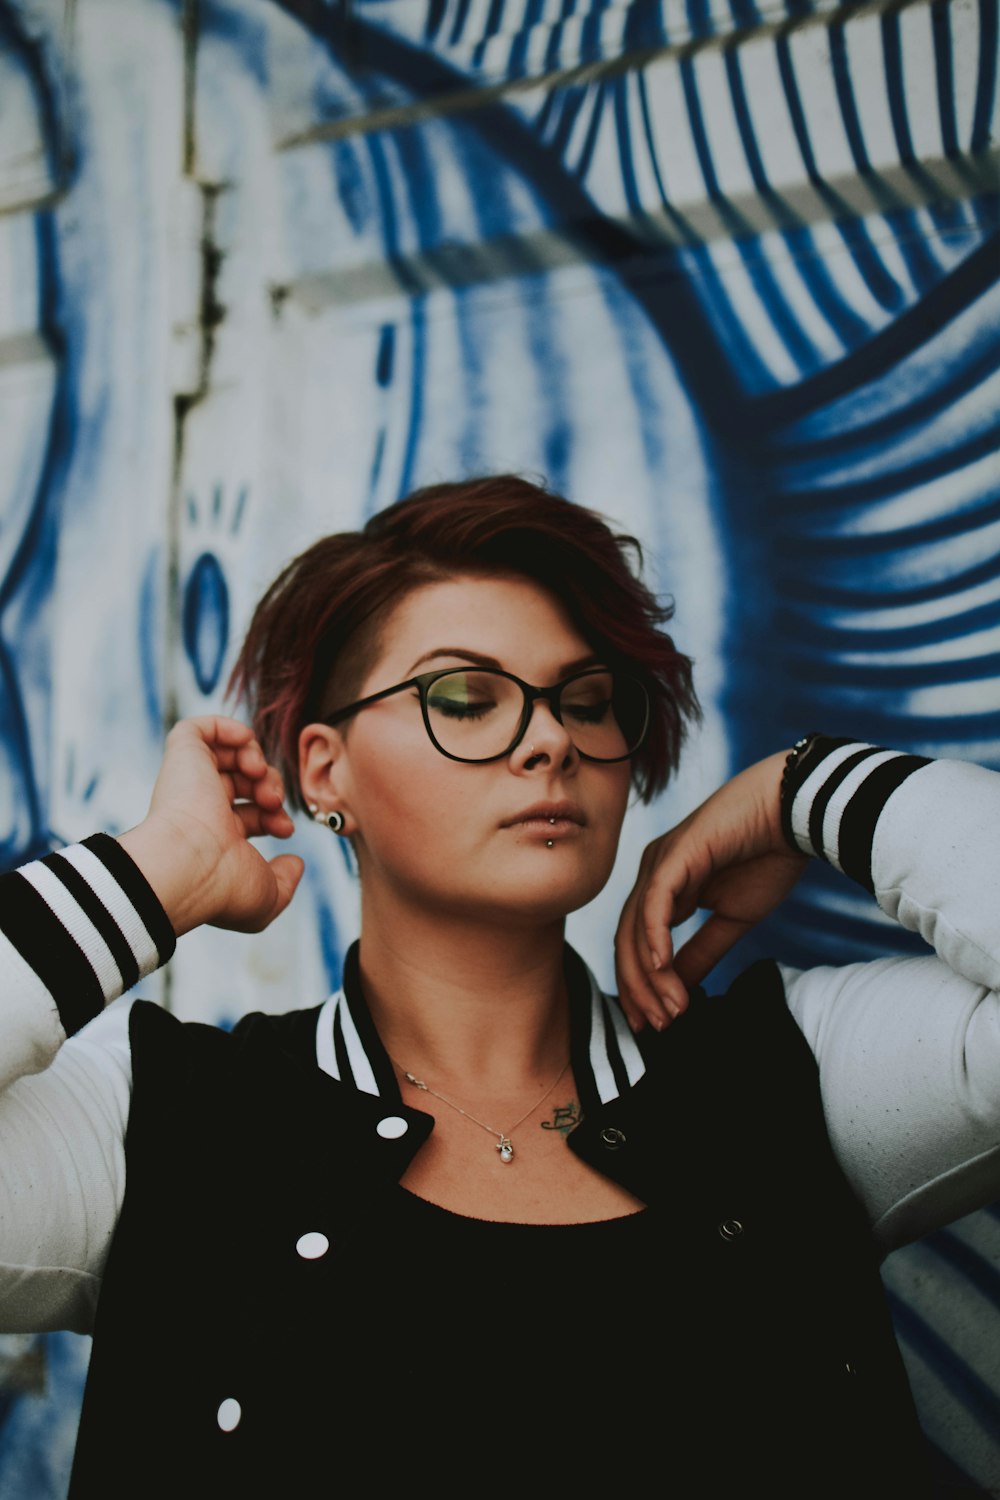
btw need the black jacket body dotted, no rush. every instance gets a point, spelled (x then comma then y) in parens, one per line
(751, 1351)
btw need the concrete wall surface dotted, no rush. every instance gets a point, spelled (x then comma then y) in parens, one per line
(725, 270)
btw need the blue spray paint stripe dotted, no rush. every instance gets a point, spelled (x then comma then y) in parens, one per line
(848, 327)
(375, 145)
(699, 18)
(852, 231)
(972, 1392)
(644, 27)
(818, 591)
(519, 51)
(15, 42)
(544, 115)
(745, 13)
(833, 926)
(17, 740)
(418, 333)
(941, 33)
(494, 20)
(572, 103)
(798, 504)
(458, 24)
(797, 114)
(423, 200)
(845, 97)
(848, 324)
(885, 350)
(798, 626)
(834, 548)
(915, 248)
(986, 81)
(553, 49)
(375, 468)
(800, 349)
(909, 420)
(896, 677)
(149, 644)
(699, 136)
(593, 130)
(886, 727)
(238, 509)
(376, 151)
(436, 10)
(744, 123)
(680, 319)
(626, 152)
(58, 451)
(892, 56)
(676, 218)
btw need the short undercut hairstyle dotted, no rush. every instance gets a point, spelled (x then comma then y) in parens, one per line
(315, 634)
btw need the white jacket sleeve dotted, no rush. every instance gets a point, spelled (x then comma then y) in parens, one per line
(909, 1048)
(76, 930)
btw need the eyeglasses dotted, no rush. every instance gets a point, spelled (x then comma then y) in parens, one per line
(476, 714)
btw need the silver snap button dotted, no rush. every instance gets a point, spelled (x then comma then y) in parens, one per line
(391, 1128)
(613, 1138)
(229, 1413)
(312, 1245)
(730, 1229)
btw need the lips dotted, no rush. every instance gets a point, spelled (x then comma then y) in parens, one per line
(548, 815)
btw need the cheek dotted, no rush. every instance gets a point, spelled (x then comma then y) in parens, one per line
(407, 797)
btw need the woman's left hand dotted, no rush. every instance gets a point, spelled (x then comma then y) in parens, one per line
(729, 856)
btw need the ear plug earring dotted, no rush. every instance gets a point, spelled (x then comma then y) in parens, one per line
(333, 820)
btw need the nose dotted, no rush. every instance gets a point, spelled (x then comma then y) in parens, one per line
(545, 742)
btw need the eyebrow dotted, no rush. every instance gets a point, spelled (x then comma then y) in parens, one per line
(478, 659)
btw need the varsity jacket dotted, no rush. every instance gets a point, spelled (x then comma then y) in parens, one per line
(242, 1147)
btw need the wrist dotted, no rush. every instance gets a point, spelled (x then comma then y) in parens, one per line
(177, 867)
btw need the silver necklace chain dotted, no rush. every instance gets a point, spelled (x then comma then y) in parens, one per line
(504, 1145)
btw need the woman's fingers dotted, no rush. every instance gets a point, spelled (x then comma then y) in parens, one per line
(704, 949)
(645, 996)
(258, 821)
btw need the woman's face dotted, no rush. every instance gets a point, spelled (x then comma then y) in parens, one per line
(472, 839)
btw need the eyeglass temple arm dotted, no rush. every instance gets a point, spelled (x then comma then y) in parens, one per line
(352, 708)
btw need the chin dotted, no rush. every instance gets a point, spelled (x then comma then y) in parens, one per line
(542, 897)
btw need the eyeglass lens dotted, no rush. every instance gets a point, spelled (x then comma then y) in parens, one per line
(476, 714)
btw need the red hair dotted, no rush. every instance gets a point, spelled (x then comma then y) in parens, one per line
(314, 635)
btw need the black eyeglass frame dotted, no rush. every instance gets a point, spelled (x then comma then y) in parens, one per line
(425, 680)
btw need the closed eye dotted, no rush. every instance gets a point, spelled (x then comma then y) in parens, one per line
(452, 708)
(587, 713)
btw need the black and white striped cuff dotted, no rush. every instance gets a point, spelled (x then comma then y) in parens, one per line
(87, 922)
(832, 798)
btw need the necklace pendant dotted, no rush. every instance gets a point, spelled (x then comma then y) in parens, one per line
(506, 1149)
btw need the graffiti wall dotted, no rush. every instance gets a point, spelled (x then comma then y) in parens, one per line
(725, 270)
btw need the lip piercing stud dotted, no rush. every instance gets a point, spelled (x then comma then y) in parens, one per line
(550, 843)
(553, 822)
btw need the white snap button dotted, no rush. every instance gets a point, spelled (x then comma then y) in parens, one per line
(229, 1413)
(391, 1128)
(311, 1246)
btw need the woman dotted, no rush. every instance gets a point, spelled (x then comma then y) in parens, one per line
(462, 1226)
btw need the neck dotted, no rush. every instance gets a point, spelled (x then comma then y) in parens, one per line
(468, 1005)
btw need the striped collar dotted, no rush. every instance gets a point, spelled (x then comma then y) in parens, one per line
(606, 1057)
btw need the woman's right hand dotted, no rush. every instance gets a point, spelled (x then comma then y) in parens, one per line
(214, 792)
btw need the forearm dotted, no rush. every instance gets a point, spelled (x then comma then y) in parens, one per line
(909, 1049)
(922, 836)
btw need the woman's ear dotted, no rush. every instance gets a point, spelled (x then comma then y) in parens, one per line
(323, 771)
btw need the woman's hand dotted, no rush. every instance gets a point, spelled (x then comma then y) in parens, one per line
(214, 792)
(729, 856)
